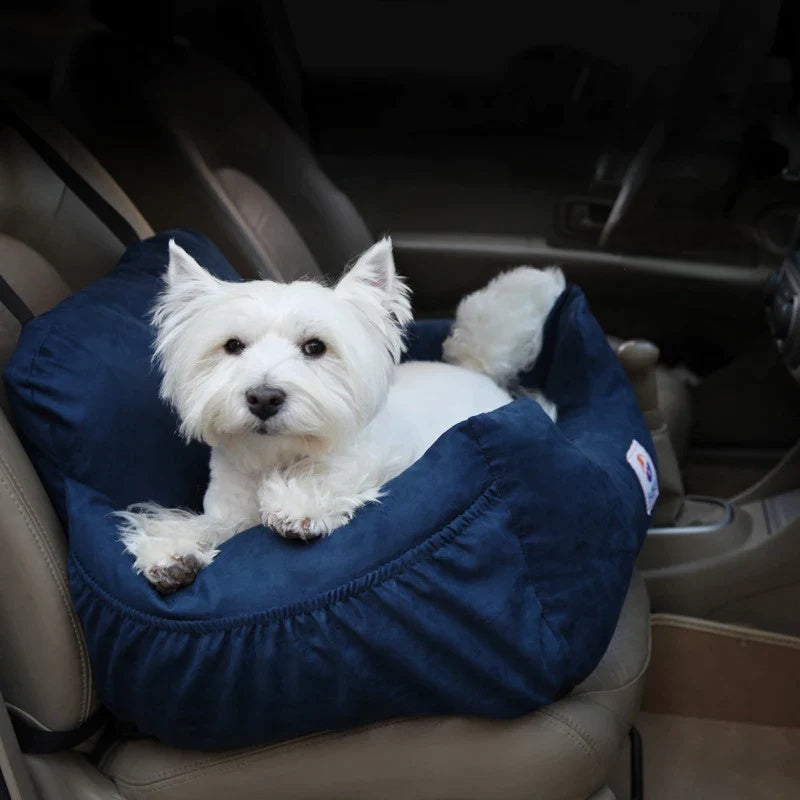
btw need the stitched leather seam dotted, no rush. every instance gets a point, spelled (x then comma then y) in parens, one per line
(637, 677)
(212, 761)
(583, 740)
(32, 522)
(34, 525)
(589, 696)
(582, 732)
(195, 770)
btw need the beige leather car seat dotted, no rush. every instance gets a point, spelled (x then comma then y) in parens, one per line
(51, 245)
(210, 153)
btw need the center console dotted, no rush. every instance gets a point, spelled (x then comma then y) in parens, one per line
(733, 559)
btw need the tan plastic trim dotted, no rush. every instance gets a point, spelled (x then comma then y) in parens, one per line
(723, 671)
(523, 249)
(725, 629)
(12, 764)
(784, 476)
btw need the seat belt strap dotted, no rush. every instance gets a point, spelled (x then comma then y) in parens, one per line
(35, 740)
(14, 303)
(73, 180)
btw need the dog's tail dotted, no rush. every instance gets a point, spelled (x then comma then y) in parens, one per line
(498, 329)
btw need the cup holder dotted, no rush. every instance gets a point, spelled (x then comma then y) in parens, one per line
(706, 528)
(699, 515)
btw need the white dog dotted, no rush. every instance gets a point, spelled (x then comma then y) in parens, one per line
(297, 389)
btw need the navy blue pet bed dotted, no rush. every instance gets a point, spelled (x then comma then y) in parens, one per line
(488, 581)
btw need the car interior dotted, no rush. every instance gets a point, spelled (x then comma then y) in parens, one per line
(651, 150)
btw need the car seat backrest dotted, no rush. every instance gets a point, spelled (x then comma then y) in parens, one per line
(38, 209)
(50, 245)
(246, 179)
(250, 137)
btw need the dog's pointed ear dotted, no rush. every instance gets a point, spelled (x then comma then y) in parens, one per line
(374, 267)
(373, 280)
(184, 280)
(184, 270)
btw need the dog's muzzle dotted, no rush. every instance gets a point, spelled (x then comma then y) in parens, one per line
(264, 401)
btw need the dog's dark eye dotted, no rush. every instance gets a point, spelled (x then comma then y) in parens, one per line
(234, 346)
(313, 348)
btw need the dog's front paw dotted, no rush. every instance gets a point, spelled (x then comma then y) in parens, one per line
(169, 577)
(301, 508)
(169, 546)
(294, 526)
(170, 571)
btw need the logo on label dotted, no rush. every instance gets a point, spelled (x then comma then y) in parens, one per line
(645, 466)
(642, 466)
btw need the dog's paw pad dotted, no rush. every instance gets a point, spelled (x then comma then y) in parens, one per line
(304, 527)
(168, 578)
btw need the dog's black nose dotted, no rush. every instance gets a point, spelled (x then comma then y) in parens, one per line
(264, 401)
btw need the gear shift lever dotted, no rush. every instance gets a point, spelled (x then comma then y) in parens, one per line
(639, 358)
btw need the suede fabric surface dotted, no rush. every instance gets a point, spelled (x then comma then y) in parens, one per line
(488, 581)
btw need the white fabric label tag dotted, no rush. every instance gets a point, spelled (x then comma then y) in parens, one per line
(645, 471)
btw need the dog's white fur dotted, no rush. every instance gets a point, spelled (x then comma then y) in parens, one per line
(352, 418)
(498, 329)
